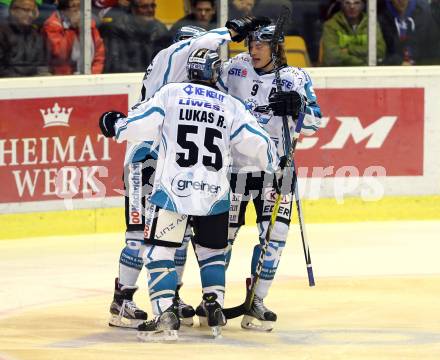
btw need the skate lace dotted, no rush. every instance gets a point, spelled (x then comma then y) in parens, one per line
(181, 303)
(259, 305)
(129, 305)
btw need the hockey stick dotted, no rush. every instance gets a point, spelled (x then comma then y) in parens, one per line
(287, 145)
(302, 228)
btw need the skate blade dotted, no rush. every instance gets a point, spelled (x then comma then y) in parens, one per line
(203, 321)
(187, 321)
(121, 322)
(158, 336)
(216, 332)
(251, 323)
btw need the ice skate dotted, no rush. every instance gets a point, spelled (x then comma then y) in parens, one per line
(163, 327)
(213, 314)
(259, 317)
(124, 311)
(186, 312)
(201, 313)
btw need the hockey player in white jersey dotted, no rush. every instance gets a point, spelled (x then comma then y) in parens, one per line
(169, 65)
(251, 77)
(199, 133)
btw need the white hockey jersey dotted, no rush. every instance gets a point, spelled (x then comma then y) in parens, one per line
(169, 65)
(240, 79)
(200, 132)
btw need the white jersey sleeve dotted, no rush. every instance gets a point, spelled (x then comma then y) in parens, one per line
(169, 65)
(143, 122)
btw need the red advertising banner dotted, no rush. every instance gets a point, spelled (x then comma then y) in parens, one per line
(52, 148)
(364, 128)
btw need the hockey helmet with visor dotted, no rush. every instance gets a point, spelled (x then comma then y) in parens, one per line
(264, 34)
(203, 65)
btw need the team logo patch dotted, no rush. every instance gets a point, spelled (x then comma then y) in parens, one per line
(188, 89)
(262, 117)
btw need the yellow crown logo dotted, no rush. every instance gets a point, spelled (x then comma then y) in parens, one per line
(56, 116)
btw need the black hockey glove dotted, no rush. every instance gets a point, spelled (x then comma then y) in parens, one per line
(283, 162)
(107, 122)
(244, 25)
(286, 103)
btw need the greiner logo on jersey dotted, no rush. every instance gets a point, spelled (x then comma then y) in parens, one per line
(212, 94)
(135, 193)
(238, 72)
(183, 185)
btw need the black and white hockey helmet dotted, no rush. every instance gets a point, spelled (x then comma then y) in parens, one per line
(187, 32)
(203, 65)
(264, 34)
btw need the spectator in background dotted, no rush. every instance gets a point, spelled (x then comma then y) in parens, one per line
(240, 8)
(108, 10)
(328, 9)
(202, 15)
(46, 8)
(435, 10)
(132, 40)
(410, 33)
(345, 37)
(22, 51)
(272, 10)
(61, 30)
(144, 12)
(4, 9)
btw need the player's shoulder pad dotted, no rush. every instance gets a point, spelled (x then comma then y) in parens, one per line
(170, 86)
(298, 76)
(304, 74)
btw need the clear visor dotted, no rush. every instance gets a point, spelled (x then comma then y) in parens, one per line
(258, 36)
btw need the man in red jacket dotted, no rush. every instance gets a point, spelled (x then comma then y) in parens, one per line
(61, 30)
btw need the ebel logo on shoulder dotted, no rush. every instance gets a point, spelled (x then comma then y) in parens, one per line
(183, 185)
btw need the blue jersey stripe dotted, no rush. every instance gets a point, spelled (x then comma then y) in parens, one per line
(170, 59)
(145, 114)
